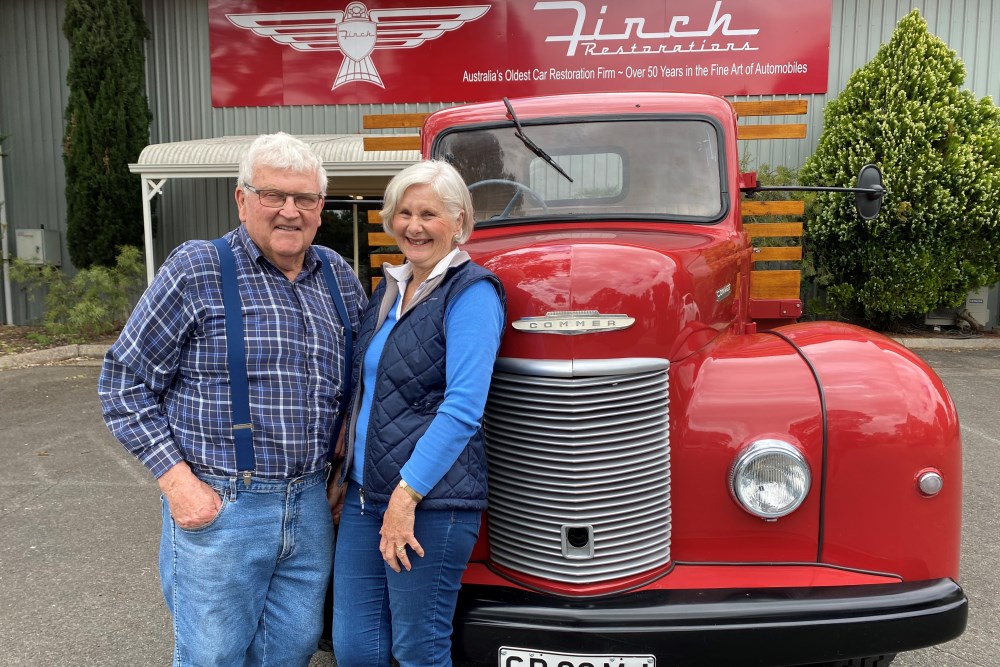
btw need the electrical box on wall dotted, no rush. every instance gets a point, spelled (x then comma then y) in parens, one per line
(39, 246)
(976, 304)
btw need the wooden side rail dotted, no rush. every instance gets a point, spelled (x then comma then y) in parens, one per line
(775, 284)
(392, 142)
(771, 108)
(379, 239)
(391, 121)
(380, 258)
(790, 131)
(383, 121)
(774, 293)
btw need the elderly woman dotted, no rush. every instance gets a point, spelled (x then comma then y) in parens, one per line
(415, 463)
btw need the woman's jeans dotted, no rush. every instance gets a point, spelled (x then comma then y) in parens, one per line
(249, 588)
(378, 613)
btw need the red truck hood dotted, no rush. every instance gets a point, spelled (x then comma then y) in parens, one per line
(680, 289)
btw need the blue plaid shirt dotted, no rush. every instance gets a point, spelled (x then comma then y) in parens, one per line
(164, 386)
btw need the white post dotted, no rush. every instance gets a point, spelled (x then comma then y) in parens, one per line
(148, 192)
(8, 307)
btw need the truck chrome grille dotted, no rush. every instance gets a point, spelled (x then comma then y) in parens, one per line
(579, 456)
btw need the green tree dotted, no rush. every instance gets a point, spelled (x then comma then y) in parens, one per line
(938, 146)
(107, 126)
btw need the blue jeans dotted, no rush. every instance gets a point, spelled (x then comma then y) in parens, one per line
(378, 613)
(249, 587)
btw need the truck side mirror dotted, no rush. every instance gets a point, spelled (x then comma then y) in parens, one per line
(867, 195)
(868, 199)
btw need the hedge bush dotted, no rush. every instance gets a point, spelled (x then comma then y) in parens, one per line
(94, 302)
(938, 147)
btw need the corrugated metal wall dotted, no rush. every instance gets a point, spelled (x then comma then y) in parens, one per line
(34, 57)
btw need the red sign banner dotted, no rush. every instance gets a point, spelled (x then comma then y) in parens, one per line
(298, 52)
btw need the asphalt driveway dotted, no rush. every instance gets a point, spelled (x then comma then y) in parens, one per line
(79, 524)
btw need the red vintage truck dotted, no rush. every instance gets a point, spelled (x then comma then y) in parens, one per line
(681, 473)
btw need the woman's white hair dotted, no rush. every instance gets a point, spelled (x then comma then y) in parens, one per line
(285, 152)
(444, 181)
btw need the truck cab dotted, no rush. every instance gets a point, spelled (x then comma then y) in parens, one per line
(674, 478)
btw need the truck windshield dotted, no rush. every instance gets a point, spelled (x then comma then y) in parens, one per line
(662, 169)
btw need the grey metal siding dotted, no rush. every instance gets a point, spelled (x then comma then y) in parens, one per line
(179, 85)
(33, 94)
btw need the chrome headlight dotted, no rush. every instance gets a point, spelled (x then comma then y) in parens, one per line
(770, 478)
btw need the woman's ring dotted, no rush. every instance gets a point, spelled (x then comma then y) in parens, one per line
(401, 550)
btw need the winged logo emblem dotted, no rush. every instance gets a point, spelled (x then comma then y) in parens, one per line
(357, 31)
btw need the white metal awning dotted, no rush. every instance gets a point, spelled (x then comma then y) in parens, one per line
(343, 156)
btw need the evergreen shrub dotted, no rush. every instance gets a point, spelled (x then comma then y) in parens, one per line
(938, 146)
(107, 126)
(94, 302)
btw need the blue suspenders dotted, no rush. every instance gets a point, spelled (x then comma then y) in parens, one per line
(237, 358)
(347, 369)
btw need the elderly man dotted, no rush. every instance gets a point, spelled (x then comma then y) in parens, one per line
(236, 423)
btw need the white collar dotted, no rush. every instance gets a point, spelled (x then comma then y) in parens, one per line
(402, 274)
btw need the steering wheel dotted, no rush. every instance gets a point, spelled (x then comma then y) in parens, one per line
(520, 188)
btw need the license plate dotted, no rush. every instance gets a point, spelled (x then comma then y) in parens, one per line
(523, 657)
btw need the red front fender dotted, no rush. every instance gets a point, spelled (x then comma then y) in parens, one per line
(869, 416)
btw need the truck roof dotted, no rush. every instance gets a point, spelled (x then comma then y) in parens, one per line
(574, 105)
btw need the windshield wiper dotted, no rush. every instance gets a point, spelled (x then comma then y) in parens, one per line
(532, 146)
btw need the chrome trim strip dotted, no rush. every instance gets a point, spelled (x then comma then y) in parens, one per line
(568, 368)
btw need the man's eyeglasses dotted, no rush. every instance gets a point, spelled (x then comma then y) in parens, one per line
(304, 201)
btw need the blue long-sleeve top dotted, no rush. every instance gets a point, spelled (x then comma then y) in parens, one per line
(474, 321)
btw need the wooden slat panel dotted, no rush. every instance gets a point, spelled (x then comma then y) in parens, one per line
(777, 207)
(772, 108)
(402, 142)
(778, 287)
(378, 259)
(375, 281)
(380, 239)
(790, 131)
(775, 284)
(381, 121)
(374, 218)
(759, 108)
(773, 229)
(777, 254)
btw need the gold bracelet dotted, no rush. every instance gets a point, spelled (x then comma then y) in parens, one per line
(410, 491)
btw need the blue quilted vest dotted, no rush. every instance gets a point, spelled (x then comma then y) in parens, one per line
(408, 391)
